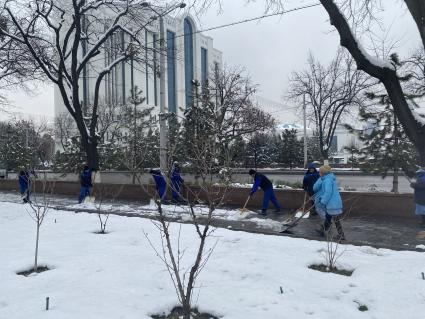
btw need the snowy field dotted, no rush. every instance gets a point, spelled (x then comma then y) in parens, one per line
(117, 275)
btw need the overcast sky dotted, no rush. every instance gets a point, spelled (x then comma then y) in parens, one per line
(270, 49)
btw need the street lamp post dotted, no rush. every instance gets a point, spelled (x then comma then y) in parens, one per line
(163, 109)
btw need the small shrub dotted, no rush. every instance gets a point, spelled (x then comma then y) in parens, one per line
(178, 313)
(324, 268)
(28, 272)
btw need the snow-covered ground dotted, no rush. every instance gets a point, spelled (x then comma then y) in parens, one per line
(117, 275)
(183, 213)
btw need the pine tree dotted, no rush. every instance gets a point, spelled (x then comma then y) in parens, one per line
(22, 145)
(262, 150)
(385, 145)
(291, 151)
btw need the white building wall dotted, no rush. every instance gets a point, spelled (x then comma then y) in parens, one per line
(144, 76)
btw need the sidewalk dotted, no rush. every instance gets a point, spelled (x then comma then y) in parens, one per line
(392, 233)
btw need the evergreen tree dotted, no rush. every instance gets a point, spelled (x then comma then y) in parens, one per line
(385, 145)
(140, 142)
(72, 158)
(313, 149)
(262, 150)
(25, 145)
(291, 152)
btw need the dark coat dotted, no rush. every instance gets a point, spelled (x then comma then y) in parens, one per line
(159, 179)
(419, 188)
(261, 181)
(175, 176)
(23, 181)
(309, 180)
(85, 178)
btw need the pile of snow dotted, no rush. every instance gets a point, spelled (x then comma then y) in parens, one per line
(249, 276)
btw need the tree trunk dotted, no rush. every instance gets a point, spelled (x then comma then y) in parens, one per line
(388, 76)
(36, 247)
(395, 180)
(396, 155)
(92, 154)
(186, 308)
(417, 10)
(325, 154)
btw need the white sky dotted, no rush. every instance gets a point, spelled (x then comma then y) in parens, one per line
(270, 50)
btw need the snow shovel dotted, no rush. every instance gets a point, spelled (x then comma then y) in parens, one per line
(243, 209)
(287, 226)
(298, 212)
(89, 199)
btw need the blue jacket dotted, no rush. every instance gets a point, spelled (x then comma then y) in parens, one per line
(175, 176)
(261, 181)
(23, 182)
(310, 179)
(326, 193)
(419, 187)
(85, 178)
(159, 181)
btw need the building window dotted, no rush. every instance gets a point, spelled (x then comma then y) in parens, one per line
(171, 72)
(204, 66)
(188, 61)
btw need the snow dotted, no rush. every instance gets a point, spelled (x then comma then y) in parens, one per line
(180, 212)
(118, 275)
(249, 185)
(375, 60)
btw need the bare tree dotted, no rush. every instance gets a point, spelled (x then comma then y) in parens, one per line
(105, 193)
(68, 38)
(223, 107)
(231, 94)
(204, 153)
(384, 70)
(351, 16)
(332, 92)
(17, 68)
(39, 207)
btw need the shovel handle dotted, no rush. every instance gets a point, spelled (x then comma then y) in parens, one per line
(246, 202)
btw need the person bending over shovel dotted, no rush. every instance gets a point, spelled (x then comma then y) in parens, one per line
(266, 185)
(85, 184)
(160, 183)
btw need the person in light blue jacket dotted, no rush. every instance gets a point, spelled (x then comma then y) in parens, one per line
(327, 200)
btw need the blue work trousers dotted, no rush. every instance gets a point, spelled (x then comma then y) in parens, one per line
(175, 189)
(161, 192)
(84, 192)
(270, 196)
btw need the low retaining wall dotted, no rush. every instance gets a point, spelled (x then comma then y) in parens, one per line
(356, 203)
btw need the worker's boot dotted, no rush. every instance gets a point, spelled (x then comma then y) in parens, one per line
(263, 212)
